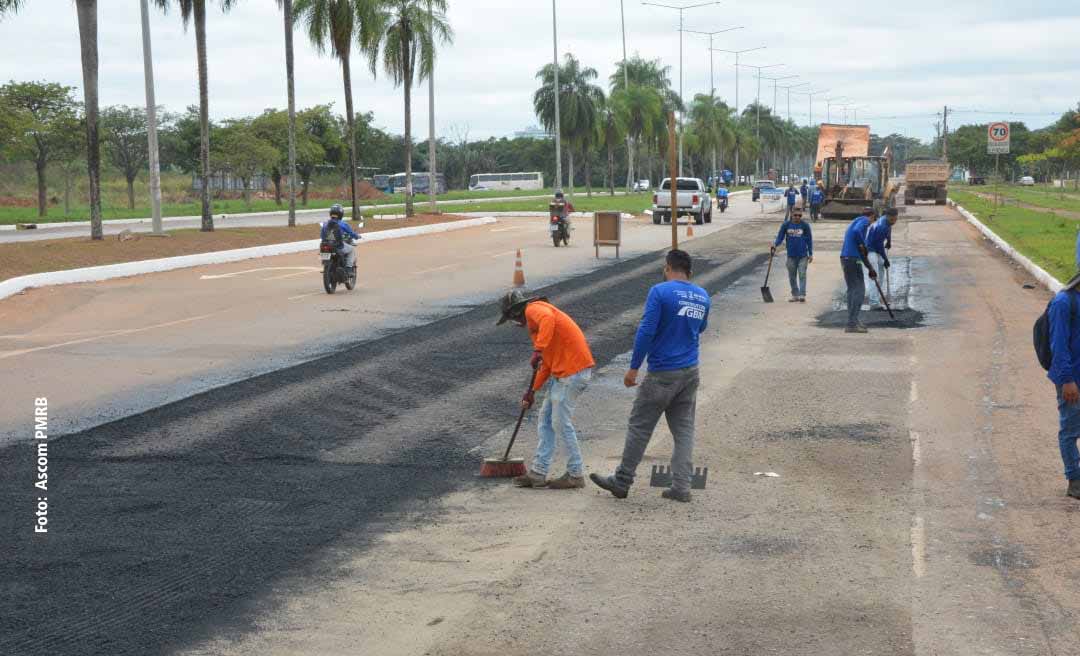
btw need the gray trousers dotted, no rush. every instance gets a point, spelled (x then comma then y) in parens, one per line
(669, 393)
(856, 288)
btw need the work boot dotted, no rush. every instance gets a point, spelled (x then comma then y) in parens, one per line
(793, 299)
(1074, 488)
(566, 482)
(676, 495)
(611, 484)
(802, 299)
(856, 329)
(531, 479)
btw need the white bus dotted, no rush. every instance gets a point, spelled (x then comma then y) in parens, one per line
(484, 181)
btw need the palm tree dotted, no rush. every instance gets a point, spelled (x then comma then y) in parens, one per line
(613, 132)
(196, 10)
(710, 119)
(287, 10)
(638, 106)
(579, 104)
(336, 24)
(88, 47)
(408, 54)
(649, 74)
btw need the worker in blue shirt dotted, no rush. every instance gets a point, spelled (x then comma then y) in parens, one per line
(1064, 372)
(336, 230)
(676, 313)
(853, 256)
(791, 195)
(800, 252)
(722, 197)
(817, 199)
(804, 191)
(878, 241)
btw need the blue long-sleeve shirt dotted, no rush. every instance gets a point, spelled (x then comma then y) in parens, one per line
(340, 228)
(800, 242)
(803, 191)
(879, 234)
(817, 197)
(1064, 339)
(791, 194)
(676, 313)
(855, 237)
(722, 192)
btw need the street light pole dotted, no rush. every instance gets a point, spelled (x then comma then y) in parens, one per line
(774, 87)
(789, 88)
(757, 103)
(738, 108)
(828, 107)
(558, 90)
(681, 10)
(712, 76)
(151, 124)
(626, 87)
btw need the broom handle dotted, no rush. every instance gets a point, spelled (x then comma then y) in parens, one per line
(521, 417)
(883, 299)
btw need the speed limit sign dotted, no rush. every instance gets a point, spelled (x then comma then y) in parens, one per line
(997, 138)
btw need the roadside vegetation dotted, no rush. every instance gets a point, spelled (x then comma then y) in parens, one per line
(1047, 239)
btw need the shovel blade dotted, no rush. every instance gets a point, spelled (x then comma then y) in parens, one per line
(766, 295)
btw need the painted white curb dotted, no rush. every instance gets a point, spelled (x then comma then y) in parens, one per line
(1040, 274)
(124, 269)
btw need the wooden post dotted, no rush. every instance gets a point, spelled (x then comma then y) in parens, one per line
(674, 182)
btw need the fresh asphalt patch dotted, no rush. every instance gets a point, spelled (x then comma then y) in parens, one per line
(176, 524)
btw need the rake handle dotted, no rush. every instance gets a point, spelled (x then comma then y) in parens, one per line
(521, 415)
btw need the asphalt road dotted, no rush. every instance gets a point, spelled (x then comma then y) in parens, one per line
(171, 524)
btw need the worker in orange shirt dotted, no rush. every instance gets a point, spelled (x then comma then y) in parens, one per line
(565, 369)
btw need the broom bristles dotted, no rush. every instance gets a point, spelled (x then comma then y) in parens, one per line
(502, 468)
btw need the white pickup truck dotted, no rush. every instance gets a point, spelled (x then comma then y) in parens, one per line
(694, 200)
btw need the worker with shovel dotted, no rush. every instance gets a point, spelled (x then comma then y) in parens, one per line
(564, 367)
(676, 313)
(853, 256)
(800, 252)
(878, 241)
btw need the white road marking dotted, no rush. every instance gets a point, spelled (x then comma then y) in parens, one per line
(51, 335)
(442, 268)
(498, 255)
(128, 331)
(918, 546)
(507, 229)
(914, 396)
(238, 273)
(916, 448)
(293, 275)
(293, 298)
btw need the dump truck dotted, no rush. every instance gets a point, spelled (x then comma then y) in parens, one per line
(926, 179)
(849, 176)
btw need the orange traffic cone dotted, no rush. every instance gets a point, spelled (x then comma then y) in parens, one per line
(690, 228)
(519, 273)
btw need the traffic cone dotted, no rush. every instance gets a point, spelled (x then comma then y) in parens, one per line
(690, 228)
(519, 273)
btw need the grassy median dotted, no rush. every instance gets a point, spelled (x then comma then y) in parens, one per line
(1046, 238)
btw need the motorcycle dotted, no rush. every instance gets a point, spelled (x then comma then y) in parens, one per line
(722, 202)
(558, 227)
(334, 270)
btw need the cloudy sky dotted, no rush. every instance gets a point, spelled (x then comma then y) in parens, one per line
(899, 62)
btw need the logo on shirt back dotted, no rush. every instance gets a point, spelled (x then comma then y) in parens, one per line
(692, 311)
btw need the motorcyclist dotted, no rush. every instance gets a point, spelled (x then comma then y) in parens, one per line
(567, 207)
(722, 194)
(336, 230)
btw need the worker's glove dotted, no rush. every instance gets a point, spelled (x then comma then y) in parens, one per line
(873, 274)
(885, 263)
(888, 245)
(528, 399)
(534, 362)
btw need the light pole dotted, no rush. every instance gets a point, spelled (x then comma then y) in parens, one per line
(810, 95)
(558, 89)
(151, 124)
(738, 109)
(757, 103)
(626, 87)
(789, 88)
(712, 76)
(774, 87)
(829, 102)
(681, 9)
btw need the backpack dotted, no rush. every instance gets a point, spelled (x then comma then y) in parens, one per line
(1042, 333)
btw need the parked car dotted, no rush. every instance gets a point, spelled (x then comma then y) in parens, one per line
(692, 197)
(1027, 181)
(768, 186)
(641, 185)
(977, 180)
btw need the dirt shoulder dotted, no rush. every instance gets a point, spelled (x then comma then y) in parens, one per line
(24, 258)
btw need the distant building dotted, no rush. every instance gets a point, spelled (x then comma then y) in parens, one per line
(228, 182)
(532, 132)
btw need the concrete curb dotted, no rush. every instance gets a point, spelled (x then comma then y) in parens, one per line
(13, 286)
(1040, 274)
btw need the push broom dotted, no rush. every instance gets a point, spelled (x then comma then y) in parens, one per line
(506, 466)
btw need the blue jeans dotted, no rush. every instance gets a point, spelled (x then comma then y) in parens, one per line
(796, 272)
(556, 415)
(856, 289)
(1068, 432)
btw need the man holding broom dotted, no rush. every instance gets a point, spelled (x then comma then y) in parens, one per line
(563, 364)
(676, 313)
(853, 256)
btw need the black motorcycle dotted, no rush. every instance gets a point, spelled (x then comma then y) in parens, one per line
(722, 203)
(558, 227)
(334, 270)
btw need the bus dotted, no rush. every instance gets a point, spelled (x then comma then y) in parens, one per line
(420, 183)
(484, 181)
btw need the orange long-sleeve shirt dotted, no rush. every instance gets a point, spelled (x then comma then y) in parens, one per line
(559, 340)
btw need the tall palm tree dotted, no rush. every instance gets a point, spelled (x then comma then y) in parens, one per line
(88, 47)
(408, 38)
(287, 10)
(613, 133)
(638, 106)
(195, 11)
(579, 104)
(336, 25)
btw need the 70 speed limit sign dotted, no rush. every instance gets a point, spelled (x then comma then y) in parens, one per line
(997, 139)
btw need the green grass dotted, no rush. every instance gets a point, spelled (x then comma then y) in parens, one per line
(1040, 196)
(1047, 239)
(633, 204)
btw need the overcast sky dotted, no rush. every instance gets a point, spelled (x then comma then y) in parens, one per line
(899, 61)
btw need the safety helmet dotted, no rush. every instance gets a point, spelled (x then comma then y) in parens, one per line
(513, 305)
(337, 211)
(558, 193)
